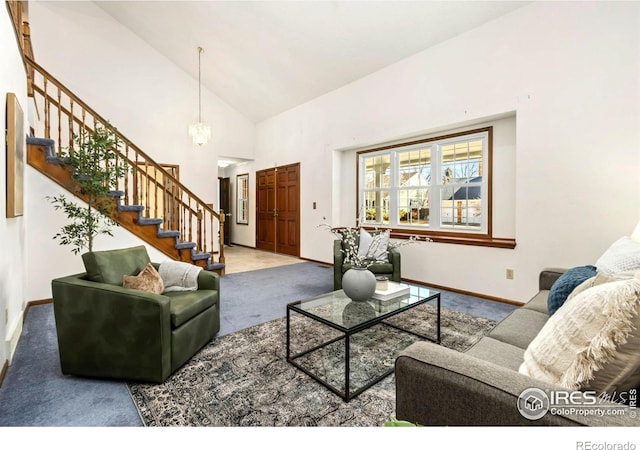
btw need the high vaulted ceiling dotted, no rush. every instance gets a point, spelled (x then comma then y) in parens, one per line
(265, 57)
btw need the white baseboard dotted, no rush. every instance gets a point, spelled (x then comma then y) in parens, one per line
(13, 336)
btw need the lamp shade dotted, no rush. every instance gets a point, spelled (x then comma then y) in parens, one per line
(200, 133)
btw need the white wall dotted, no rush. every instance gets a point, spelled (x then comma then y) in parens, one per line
(51, 260)
(147, 97)
(571, 73)
(13, 271)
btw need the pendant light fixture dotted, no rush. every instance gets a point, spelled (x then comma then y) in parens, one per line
(199, 132)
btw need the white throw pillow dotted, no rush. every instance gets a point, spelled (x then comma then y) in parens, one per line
(592, 342)
(374, 247)
(597, 280)
(622, 256)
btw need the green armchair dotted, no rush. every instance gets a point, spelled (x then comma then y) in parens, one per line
(390, 268)
(108, 331)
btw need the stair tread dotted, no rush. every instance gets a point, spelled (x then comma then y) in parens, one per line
(199, 256)
(149, 221)
(168, 233)
(118, 195)
(130, 208)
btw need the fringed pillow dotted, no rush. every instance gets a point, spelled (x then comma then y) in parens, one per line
(148, 280)
(592, 342)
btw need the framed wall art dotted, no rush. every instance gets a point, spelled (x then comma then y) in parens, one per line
(15, 157)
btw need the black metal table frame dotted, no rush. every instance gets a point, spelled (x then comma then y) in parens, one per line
(347, 395)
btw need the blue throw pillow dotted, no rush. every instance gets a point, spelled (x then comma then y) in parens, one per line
(565, 284)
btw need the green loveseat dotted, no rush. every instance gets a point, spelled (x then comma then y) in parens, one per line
(108, 331)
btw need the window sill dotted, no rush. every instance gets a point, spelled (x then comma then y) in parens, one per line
(460, 239)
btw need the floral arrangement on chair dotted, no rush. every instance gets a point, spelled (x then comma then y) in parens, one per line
(376, 251)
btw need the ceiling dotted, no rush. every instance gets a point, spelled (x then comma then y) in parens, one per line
(265, 57)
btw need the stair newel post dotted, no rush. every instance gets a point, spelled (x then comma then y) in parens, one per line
(211, 234)
(221, 237)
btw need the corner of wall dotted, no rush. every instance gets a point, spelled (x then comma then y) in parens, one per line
(13, 335)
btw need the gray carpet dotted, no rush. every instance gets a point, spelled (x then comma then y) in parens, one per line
(35, 393)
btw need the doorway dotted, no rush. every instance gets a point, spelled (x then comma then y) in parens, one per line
(278, 209)
(225, 206)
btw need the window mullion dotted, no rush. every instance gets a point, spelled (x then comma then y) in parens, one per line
(393, 190)
(434, 192)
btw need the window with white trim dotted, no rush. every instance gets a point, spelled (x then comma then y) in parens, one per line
(438, 184)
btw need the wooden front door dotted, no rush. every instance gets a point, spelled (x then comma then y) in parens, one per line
(278, 209)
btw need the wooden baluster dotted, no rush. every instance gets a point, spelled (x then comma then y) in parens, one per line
(205, 231)
(166, 204)
(199, 231)
(183, 210)
(146, 191)
(127, 174)
(155, 187)
(59, 118)
(191, 223)
(47, 111)
(71, 116)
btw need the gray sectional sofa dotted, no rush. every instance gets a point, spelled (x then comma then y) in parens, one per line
(439, 386)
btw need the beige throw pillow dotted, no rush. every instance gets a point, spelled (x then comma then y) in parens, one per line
(148, 280)
(592, 342)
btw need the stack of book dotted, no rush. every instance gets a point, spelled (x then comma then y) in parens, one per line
(394, 292)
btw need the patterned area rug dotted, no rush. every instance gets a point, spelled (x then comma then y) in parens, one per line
(243, 379)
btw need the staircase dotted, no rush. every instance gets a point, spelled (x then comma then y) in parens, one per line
(149, 201)
(41, 155)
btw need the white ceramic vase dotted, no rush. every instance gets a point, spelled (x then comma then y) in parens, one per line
(359, 284)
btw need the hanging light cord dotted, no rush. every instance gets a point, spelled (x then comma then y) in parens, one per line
(200, 50)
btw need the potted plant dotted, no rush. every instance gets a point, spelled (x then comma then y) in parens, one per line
(95, 168)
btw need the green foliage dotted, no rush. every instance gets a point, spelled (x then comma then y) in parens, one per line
(371, 214)
(399, 423)
(95, 167)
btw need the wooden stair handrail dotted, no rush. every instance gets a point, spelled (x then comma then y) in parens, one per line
(118, 134)
(188, 213)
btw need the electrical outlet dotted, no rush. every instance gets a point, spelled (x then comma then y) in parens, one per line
(509, 274)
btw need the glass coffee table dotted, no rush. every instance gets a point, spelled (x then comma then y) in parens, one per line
(349, 346)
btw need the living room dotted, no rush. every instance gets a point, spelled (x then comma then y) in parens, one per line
(557, 80)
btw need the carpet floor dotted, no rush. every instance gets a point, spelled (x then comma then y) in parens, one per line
(243, 379)
(36, 393)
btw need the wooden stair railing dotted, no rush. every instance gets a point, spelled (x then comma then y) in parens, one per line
(148, 184)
